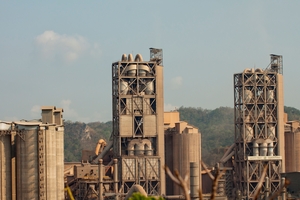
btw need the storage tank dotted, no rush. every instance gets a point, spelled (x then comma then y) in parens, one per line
(5, 161)
(186, 149)
(292, 151)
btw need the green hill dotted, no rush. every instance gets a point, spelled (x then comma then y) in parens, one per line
(216, 127)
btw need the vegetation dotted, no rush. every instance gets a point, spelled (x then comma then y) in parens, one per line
(138, 196)
(80, 136)
(216, 127)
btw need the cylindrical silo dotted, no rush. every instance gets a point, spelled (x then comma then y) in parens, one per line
(5, 162)
(27, 162)
(292, 151)
(50, 157)
(186, 150)
(60, 162)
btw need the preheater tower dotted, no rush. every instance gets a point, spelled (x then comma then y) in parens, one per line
(259, 127)
(138, 132)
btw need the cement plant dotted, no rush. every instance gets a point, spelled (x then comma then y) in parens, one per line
(147, 145)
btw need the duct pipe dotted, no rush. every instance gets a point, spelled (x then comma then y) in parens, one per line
(100, 170)
(136, 188)
(100, 145)
(124, 57)
(283, 191)
(228, 151)
(223, 160)
(194, 180)
(174, 197)
(138, 58)
(148, 147)
(106, 149)
(267, 189)
(130, 58)
(115, 176)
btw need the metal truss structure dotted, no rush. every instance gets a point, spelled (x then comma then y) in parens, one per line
(138, 135)
(258, 119)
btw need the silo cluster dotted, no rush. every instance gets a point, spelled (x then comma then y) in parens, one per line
(32, 157)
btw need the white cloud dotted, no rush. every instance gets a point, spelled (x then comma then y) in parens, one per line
(51, 46)
(35, 112)
(176, 82)
(170, 107)
(69, 113)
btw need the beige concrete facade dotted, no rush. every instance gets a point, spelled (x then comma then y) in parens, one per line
(292, 146)
(35, 157)
(183, 146)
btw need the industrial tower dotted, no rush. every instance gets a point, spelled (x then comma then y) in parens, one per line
(259, 128)
(138, 132)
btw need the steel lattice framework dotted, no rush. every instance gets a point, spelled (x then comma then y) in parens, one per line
(137, 99)
(258, 127)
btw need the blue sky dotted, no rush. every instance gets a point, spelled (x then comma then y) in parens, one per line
(60, 52)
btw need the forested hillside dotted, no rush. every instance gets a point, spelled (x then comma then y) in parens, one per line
(79, 136)
(216, 127)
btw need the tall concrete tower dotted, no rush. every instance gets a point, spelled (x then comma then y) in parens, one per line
(138, 132)
(259, 127)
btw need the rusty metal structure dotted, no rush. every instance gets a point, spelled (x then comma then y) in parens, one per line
(138, 132)
(259, 127)
(31, 157)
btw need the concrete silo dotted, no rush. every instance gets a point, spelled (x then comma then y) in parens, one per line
(32, 158)
(292, 146)
(183, 147)
(5, 161)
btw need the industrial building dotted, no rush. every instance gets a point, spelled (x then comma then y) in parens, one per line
(32, 157)
(259, 128)
(145, 139)
(182, 147)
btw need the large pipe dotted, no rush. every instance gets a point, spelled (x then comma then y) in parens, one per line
(223, 160)
(228, 151)
(136, 188)
(115, 176)
(130, 57)
(194, 180)
(267, 189)
(124, 57)
(100, 170)
(138, 58)
(283, 191)
(148, 147)
(174, 197)
(106, 149)
(100, 145)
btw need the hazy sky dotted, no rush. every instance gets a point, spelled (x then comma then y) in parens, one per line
(60, 52)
